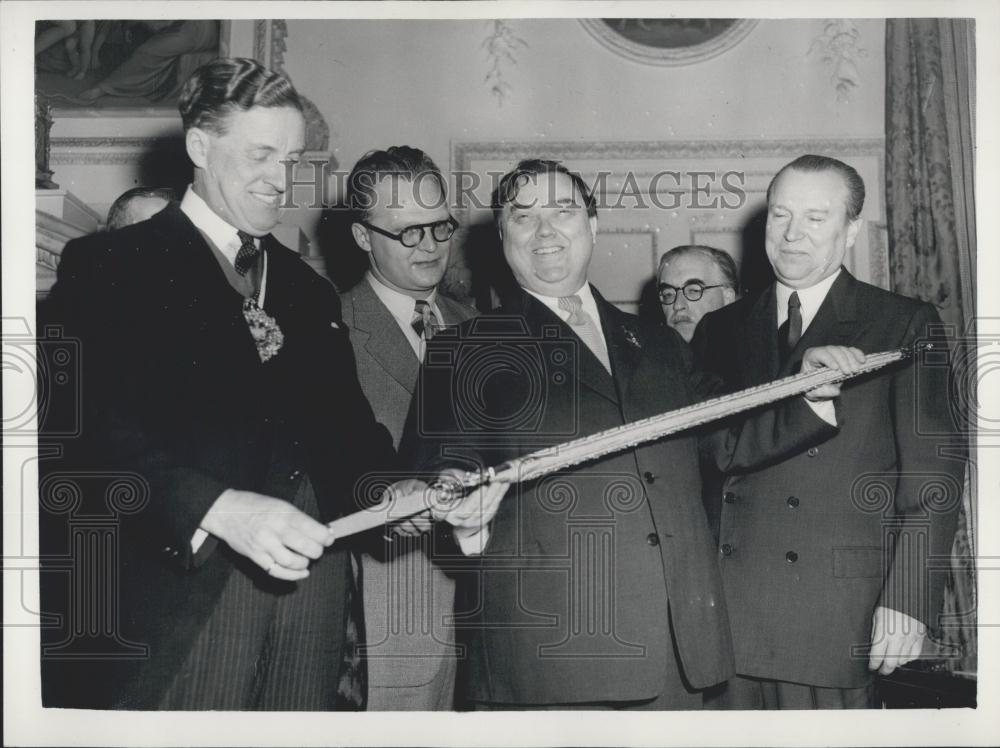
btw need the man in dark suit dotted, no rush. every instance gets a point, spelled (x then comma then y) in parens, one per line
(404, 225)
(218, 379)
(596, 587)
(827, 551)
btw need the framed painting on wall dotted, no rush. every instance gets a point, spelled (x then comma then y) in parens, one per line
(120, 63)
(668, 41)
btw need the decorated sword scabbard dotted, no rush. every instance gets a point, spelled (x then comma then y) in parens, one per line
(450, 487)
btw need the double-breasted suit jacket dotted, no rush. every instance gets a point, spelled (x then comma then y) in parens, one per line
(586, 571)
(175, 397)
(812, 544)
(407, 597)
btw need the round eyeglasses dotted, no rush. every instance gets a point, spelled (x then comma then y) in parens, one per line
(411, 236)
(692, 291)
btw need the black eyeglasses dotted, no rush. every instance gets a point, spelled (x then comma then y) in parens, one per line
(411, 236)
(692, 291)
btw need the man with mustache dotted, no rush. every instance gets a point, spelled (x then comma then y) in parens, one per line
(694, 280)
(596, 587)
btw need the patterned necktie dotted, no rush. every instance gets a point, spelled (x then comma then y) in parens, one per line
(791, 329)
(247, 256)
(585, 327)
(424, 320)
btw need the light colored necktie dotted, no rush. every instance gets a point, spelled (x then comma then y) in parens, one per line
(424, 320)
(586, 328)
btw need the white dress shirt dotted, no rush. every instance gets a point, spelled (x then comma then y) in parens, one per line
(221, 234)
(811, 299)
(589, 306)
(401, 308)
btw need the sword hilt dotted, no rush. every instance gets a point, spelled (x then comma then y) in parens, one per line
(450, 487)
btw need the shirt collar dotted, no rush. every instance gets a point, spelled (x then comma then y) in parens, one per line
(586, 296)
(211, 224)
(811, 299)
(399, 304)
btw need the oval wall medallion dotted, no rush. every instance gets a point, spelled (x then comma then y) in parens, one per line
(668, 41)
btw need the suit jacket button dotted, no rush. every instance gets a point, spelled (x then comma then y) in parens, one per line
(727, 550)
(792, 501)
(653, 539)
(729, 497)
(813, 451)
(791, 557)
(294, 475)
(168, 550)
(648, 477)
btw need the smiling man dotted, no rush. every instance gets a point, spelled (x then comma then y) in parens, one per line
(218, 381)
(595, 588)
(825, 584)
(404, 225)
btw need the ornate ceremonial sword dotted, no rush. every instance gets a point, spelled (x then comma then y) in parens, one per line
(449, 490)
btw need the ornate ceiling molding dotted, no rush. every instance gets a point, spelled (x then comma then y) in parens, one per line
(464, 153)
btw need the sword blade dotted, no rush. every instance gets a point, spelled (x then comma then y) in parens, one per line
(577, 451)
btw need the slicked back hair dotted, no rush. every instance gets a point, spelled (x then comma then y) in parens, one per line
(512, 182)
(400, 161)
(852, 180)
(722, 260)
(120, 214)
(231, 84)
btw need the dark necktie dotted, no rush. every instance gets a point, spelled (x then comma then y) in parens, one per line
(791, 329)
(247, 256)
(424, 320)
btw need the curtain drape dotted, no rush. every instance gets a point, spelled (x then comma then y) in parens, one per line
(930, 210)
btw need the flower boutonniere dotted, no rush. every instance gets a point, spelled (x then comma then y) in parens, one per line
(264, 329)
(631, 338)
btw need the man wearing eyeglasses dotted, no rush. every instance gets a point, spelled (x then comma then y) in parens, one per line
(693, 281)
(597, 587)
(404, 225)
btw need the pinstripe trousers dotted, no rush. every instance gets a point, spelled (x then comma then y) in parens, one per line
(270, 644)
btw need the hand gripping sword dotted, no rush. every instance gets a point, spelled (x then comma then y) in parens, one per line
(446, 491)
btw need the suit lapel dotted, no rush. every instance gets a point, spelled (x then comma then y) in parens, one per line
(200, 288)
(758, 344)
(590, 371)
(383, 340)
(454, 312)
(836, 322)
(623, 344)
